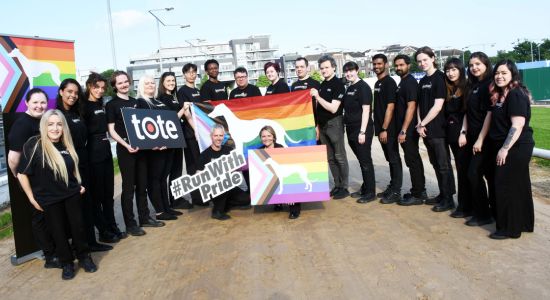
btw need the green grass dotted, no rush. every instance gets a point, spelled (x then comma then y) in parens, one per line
(540, 122)
(6, 227)
(115, 166)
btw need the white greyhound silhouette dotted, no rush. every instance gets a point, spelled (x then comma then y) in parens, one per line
(35, 68)
(243, 131)
(284, 170)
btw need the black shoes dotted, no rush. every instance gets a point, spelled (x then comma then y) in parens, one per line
(278, 207)
(135, 231)
(68, 271)
(174, 212)
(181, 204)
(333, 191)
(458, 213)
(391, 197)
(294, 215)
(87, 264)
(52, 262)
(386, 192)
(357, 194)
(433, 201)
(97, 247)
(152, 223)
(476, 222)
(444, 205)
(162, 216)
(108, 237)
(341, 193)
(221, 216)
(366, 198)
(501, 235)
(120, 234)
(409, 200)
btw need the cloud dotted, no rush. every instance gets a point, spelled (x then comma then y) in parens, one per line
(126, 19)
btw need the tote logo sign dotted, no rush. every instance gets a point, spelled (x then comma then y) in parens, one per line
(148, 128)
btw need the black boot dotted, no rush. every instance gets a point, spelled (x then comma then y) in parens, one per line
(446, 204)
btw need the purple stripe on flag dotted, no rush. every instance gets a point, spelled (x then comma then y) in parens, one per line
(297, 188)
(304, 197)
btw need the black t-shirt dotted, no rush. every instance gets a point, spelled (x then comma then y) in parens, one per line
(188, 94)
(384, 94)
(477, 106)
(22, 129)
(309, 83)
(454, 114)
(278, 88)
(209, 154)
(276, 145)
(213, 91)
(46, 188)
(249, 91)
(407, 91)
(329, 90)
(99, 147)
(114, 113)
(170, 101)
(356, 96)
(431, 88)
(516, 104)
(78, 130)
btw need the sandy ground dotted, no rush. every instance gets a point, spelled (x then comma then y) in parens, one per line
(335, 250)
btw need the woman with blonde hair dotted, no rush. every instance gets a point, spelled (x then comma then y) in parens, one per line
(49, 175)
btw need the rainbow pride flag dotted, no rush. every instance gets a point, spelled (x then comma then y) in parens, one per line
(290, 114)
(27, 63)
(288, 175)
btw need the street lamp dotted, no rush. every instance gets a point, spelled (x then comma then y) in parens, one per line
(111, 34)
(159, 21)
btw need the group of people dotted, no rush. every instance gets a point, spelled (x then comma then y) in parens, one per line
(62, 157)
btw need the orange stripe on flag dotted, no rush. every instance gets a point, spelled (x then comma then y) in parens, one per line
(287, 111)
(42, 43)
(47, 53)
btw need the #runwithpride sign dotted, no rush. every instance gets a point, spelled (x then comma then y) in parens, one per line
(288, 175)
(151, 128)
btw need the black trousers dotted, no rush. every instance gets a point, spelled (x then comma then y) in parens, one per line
(481, 166)
(133, 169)
(438, 152)
(391, 153)
(463, 156)
(514, 198)
(42, 233)
(60, 216)
(158, 169)
(176, 168)
(101, 191)
(363, 154)
(414, 163)
(191, 153)
(331, 134)
(233, 197)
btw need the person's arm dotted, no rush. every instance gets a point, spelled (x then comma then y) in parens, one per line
(13, 161)
(409, 115)
(187, 113)
(483, 133)
(26, 185)
(329, 106)
(118, 139)
(364, 123)
(383, 135)
(434, 111)
(513, 134)
(462, 141)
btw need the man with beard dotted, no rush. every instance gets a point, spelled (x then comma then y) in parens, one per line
(213, 89)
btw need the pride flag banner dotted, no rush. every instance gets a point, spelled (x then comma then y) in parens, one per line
(290, 115)
(27, 63)
(288, 175)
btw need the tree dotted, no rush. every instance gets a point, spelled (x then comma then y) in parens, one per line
(108, 88)
(362, 75)
(414, 68)
(203, 80)
(316, 75)
(263, 81)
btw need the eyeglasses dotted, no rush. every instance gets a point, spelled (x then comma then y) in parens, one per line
(241, 77)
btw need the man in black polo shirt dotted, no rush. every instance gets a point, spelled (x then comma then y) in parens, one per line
(305, 82)
(243, 89)
(405, 118)
(384, 127)
(331, 126)
(213, 89)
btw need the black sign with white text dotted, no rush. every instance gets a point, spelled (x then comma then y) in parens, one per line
(149, 128)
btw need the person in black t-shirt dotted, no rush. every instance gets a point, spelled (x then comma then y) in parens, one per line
(213, 89)
(68, 101)
(188, 94)
(385, 129)
(305, 82)
(277, 85)
(49, 175)
(233, 197)
(455, 108)
(359, 128)
(25, 127)
(511, 149)
(243, 89)
(477, 105)
(167, 95)
(405, 122)
(100, 160)
(132, 162)
(331, 126)
(431, 127)
(158, 158)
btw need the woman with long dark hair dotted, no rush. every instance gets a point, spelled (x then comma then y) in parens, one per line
(68, 102)
(511, 148)
(49, 175)
(158, 159)
(477, 105)
(455, 108)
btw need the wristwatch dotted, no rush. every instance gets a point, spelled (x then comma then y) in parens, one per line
(402, 132)
(383, 129)
(362, 132)
(463, 132)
